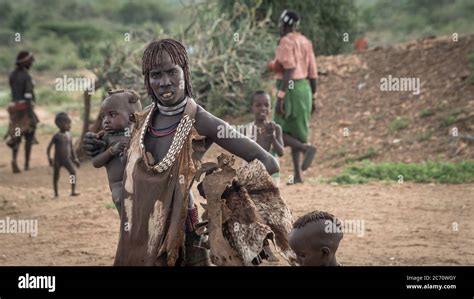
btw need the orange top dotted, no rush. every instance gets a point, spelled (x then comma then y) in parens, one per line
(296, 51)
(361, 44)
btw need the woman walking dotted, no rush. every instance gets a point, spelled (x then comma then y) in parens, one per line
(296, 73)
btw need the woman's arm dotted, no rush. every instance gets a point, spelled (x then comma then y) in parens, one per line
(92, 144)
(208, 125)
(287, 77)
(313, 84)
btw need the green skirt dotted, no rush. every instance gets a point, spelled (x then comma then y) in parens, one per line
(298, 103)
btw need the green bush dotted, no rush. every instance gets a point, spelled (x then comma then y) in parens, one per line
(20, 20)
(324, 22)
(7, 62)
(388, 22)
(5, 98)
(451, 117)
(143, 11)
(228, 59)
(50, 97)
(76, 31)
(7, 37)
(427, 172)
(3, 130)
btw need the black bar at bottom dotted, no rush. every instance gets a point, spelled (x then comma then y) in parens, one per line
(291, 282)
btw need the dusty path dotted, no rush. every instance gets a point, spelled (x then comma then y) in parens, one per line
(407, 224)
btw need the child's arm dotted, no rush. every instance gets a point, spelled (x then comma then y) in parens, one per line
(75, 160)
(277, 140)
(208, 125)
(104, 157)
(48, 151)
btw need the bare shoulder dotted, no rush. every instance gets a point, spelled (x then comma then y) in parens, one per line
(277, 126)
(202, 114)
(206, 123)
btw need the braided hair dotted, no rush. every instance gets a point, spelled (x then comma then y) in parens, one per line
(153, 54)
(313, 217)
(133, 98)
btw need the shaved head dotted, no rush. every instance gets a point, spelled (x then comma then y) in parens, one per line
(315, 238)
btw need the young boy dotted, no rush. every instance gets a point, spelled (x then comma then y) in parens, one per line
(115, 114)
(64, 154)
(311, 241)
(266, 133)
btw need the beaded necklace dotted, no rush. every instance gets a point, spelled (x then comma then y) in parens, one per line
(182, 131)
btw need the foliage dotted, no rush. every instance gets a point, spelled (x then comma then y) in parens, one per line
(50, 27)
(427, 172)
(388, 22)
(451, 117)
(324, 22)
(142, 11)
(228, 62)
(227, 66)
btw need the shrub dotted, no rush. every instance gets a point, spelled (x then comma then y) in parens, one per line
(427, 172)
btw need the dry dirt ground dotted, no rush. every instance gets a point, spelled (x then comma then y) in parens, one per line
(404, 224)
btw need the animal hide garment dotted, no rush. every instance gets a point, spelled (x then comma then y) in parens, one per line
(244, 211)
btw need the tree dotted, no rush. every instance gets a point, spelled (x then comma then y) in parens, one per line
(324, 22)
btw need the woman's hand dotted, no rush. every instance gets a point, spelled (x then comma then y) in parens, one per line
(92, 145)
(313, 108)
(280, 106)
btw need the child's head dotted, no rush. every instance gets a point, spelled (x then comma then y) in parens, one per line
(261, 105)
(62, 121)
(314, 239)
(117, 108)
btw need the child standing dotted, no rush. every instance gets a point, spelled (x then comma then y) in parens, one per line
(266, 133)
(115, 114)
(64, 154)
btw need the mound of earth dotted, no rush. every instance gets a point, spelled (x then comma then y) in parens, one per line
(357, 120)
